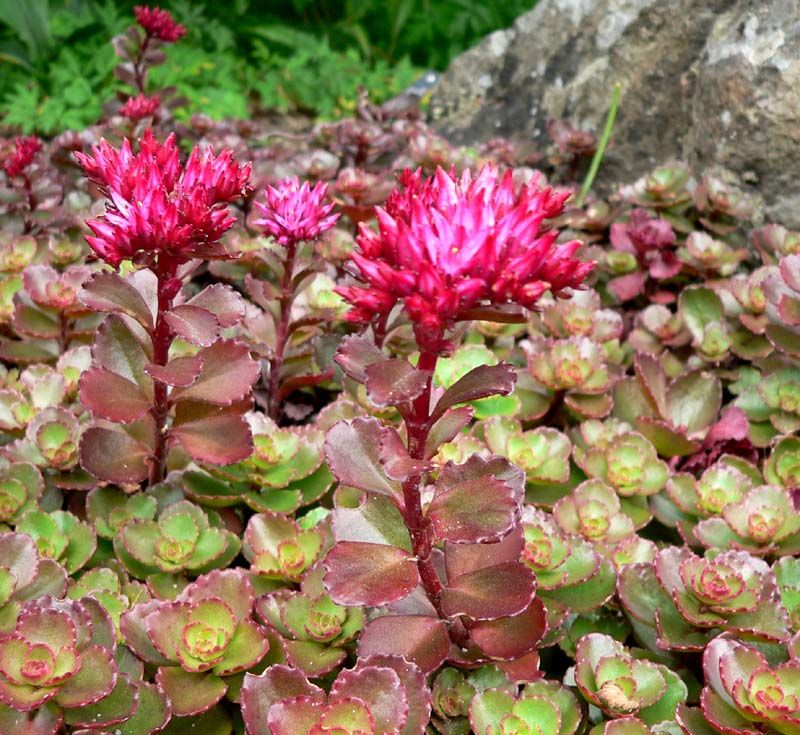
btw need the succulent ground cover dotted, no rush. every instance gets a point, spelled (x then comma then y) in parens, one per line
(359, 433)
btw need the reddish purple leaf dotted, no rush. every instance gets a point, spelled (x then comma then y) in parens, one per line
(489, 593)
(474, 511)
(463, 558)
(480, 382)
(396, 461)
(228, 374)
(420, 639)
(355, 355)
(380, 689)
(447, 428)
(114, 455)
(34, 321)
(369, 574)
(109, 292)
(222, 301)
(112, 397)
(118, 349)
(209, 433)
(392, 382)
(193, 324)
(180, 372)
(277, 683)
(352, 449)
(510, 637)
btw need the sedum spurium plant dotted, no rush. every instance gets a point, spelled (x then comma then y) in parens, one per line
(419, 469)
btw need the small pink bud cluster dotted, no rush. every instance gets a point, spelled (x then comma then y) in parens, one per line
(139, 107)
(445, 245)
(294, 212)
(159, 23)
(21, 155)
(157, 205)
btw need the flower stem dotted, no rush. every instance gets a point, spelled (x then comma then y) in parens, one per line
(282, 333)
(162, 340)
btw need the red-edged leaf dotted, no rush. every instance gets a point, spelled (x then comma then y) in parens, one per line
(513, 636)
(523, 669)
(118, 349)
(109, 292)
(222, 301)
(380, 689)
(228, 374)
(462, 558)
(355, 355)
(114, 455)
(194, 324)
(352, 449)
(480, 382)
(369, 574)
(46, 720)
(475, 511)
(190, 693)
(396, 461)
(35, 321)
(277, 683)
(392, 382)
(447, 428)
(180, 372)
(209, 433)
(420, 639)
(489, 593)
(112, 397)
(376, 520)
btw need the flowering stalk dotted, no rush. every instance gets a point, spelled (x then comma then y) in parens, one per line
(162, 214)
(291, 214)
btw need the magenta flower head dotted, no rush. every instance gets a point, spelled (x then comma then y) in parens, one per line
(294, 212)
(17, 158)
(446, 245)
(140, 107)
(158, 206)
(159, 23)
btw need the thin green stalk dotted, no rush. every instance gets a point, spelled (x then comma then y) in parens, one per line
(616, 94)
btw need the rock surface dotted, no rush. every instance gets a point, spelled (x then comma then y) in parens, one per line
(712, 82)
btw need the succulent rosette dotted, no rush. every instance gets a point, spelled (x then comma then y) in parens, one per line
(199, 640)
(744, 692)
(313, 630)
(181, 540)
(21, 486)
(621, 685)
(285, 471)
(765, 522)
(381, 695)
(681, 600)
(576, 372)
(688, 500)
(278, 548)
(63, 652)
(783, 465)
(60, 536)
(628, 463)
(542, 707)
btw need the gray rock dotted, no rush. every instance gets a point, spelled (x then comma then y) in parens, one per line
(712, 82)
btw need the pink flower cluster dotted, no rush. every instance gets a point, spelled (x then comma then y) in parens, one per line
(21, 155)
(140, 107)
(159, 206)
(445, 245)
(159, 23)
(294, 212)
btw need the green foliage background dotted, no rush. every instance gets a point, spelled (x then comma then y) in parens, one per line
(56, 62)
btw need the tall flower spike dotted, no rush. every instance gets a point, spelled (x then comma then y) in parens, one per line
(156, 205)
(445, 245)
(294, 212)
(159, 23)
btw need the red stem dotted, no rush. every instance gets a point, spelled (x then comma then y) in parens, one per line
(139, 69)
(282, 333)
(162, 340)
(418, 425)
